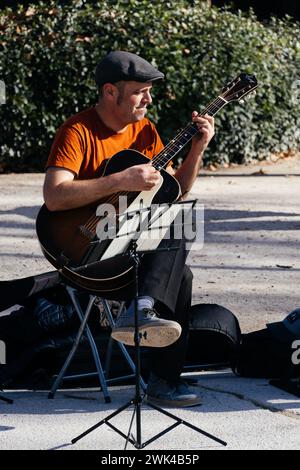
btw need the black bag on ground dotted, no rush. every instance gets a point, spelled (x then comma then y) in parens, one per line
(214, 336)
(28, 330)
(268, 353)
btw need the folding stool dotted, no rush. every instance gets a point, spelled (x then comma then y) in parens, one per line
(84, 329)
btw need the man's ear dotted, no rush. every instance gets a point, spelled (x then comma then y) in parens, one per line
(110, 90)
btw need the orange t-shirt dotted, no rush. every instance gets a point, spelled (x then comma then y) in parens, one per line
(83, 142)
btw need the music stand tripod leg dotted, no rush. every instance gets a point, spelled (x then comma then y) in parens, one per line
(138, 399)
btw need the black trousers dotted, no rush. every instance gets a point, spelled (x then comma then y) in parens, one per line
(165, 277)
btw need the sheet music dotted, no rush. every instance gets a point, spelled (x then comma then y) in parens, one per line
(148, 226)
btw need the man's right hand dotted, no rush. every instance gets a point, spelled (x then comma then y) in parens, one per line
(139, 178)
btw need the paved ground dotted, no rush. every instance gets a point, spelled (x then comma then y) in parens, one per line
(245, 413)
(249, 264)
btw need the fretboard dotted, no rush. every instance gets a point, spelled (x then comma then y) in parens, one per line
(184, 136)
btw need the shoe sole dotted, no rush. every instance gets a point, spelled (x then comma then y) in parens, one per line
(173, 403)
(155, 335)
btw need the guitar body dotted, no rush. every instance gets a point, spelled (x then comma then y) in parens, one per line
(69, 241)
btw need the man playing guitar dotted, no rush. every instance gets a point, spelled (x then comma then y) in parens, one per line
(73, 180)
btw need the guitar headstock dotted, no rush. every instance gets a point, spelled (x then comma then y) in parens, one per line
(240, 87)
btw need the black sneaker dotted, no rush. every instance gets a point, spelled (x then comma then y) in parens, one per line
(170, 393)
(154, 332)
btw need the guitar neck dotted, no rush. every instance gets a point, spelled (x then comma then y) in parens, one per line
(183, 138)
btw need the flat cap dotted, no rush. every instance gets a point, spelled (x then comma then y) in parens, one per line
(122, 65)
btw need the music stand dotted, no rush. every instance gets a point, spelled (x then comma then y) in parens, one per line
(137, 400)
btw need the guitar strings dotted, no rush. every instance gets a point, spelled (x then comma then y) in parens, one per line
(214, 107)
(160, 159)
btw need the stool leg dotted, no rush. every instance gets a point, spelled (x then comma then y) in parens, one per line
(92, 342)
(98, 365)
(83, 326)
(121, 345)
(111, 324)
(67, 362)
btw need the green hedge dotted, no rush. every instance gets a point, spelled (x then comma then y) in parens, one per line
(48, 55)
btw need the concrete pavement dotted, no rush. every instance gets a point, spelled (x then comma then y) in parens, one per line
(246, 413)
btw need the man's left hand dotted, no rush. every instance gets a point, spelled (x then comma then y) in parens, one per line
(206, 129)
